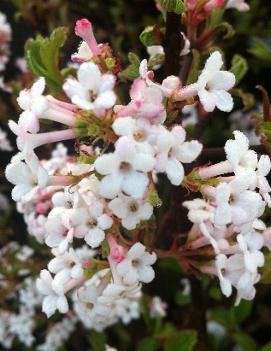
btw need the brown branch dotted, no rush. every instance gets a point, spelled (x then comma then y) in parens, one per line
(173, 44)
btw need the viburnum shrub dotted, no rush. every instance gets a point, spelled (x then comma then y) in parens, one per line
(136, 190)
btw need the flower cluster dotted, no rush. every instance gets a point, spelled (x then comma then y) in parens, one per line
(93, 210)
(228, 217)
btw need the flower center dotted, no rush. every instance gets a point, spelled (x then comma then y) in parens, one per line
(69, 204)
(92, 223)
(125, 167)
(92, 95)
(231, 199)
(133, 207)
(135, 263)
(139, 136)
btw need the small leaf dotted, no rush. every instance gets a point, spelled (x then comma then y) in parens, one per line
(239, 67)
(245, 341)
(132, 71)
(267, 347)
(226, 28)
(261, 51)
(176, 6)
(184, 341)
(148, 344)
(97, 341)
(194, 69)
(151, 35)
(266, 270)
(42, 55)
(171, 264)
(242, 311)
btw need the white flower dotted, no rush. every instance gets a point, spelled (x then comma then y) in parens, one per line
(240, 5)
(251, 172)
(173, 150)
(141, 131)
(124, 170)
(52, 300)
(237, 208)
(263, 169)
(252, 258)
(24, 253)
(146, 99)
(136, 266)
(158, 308)
(232, 272)
(154, 50)
(93, 90)
(26, 176)
(131, 211)
(213, 85)
(94, 222)
(199, 210)
(238, 153)
(66, 261)
(34, 104)
(83, 54)
(60, 227)
(67, 199)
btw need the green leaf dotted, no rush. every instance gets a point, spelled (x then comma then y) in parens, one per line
(182, 299)
(245, 341)
(171, 264)
(151, 35)
(42, 55)
(239, 67)
(194, 69)
(225, 28)
(266, 270)
(148, 344)
(176, 6)
(132, 71)
(224, 317)
(97, 341)
(242, 311)
(267, 347)
(261, 51)
(184, 341)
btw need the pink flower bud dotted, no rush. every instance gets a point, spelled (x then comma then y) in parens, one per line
(83, 29)
(41, 208)
(116, 253)
(214, 4)
(191, 4)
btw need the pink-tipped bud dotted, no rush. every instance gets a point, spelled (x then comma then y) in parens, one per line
(41, 208)
(191, 4)
(214, 4)
(83, 29)
(116, 251)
